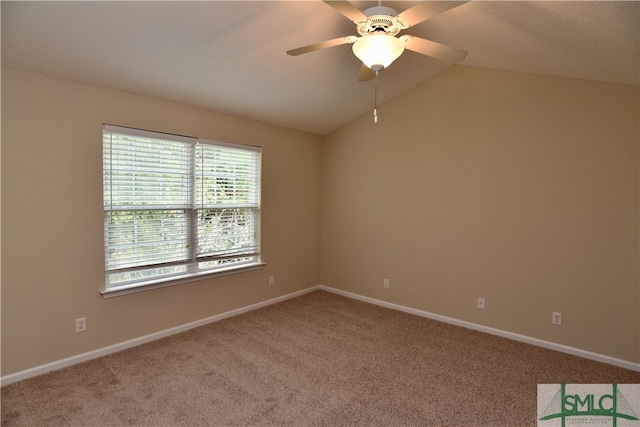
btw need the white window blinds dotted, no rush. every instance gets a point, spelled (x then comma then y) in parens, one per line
(227, 197)
(176, 206)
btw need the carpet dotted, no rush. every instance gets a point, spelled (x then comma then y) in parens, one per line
(316, 360)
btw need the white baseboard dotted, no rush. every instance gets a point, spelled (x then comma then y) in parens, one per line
(63, 363)
(516, 337)
(69, 361)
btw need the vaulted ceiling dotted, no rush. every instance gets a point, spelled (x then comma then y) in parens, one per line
(230, 56)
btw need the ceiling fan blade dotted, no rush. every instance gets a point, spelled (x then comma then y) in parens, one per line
(347, 9)
(433, 49)
(366, 73)
(426, 10)
(322, 45)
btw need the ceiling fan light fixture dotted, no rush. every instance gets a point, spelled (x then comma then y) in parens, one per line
(378, 51)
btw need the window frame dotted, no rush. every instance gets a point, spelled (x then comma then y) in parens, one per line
(193, 266)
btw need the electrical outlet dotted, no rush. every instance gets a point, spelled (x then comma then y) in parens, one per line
(81, 324)
(556, 318)
(272, 280)
(481, 303)
(386, 283)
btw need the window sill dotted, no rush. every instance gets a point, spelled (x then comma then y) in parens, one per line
(116, 291)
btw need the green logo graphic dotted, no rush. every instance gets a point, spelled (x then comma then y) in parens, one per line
(613, 405)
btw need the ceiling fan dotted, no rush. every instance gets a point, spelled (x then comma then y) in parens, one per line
(377, 47)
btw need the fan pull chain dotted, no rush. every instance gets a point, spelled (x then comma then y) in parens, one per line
(375, 100)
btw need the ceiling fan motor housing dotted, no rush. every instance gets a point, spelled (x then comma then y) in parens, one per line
(380, 20)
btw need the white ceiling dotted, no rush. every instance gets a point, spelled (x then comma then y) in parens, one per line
(230, 56)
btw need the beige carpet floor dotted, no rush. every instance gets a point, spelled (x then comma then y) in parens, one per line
(316, 360)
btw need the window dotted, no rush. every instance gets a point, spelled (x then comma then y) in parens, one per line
(177, 207)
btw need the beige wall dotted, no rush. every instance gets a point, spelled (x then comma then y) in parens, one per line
(522, 189)
(519, 188)
(52, 241)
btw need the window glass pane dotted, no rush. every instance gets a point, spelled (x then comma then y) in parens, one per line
(145, 238)
(150, 273)
(142, 171)
(227, 232)
(232, 262)
(226, 177)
